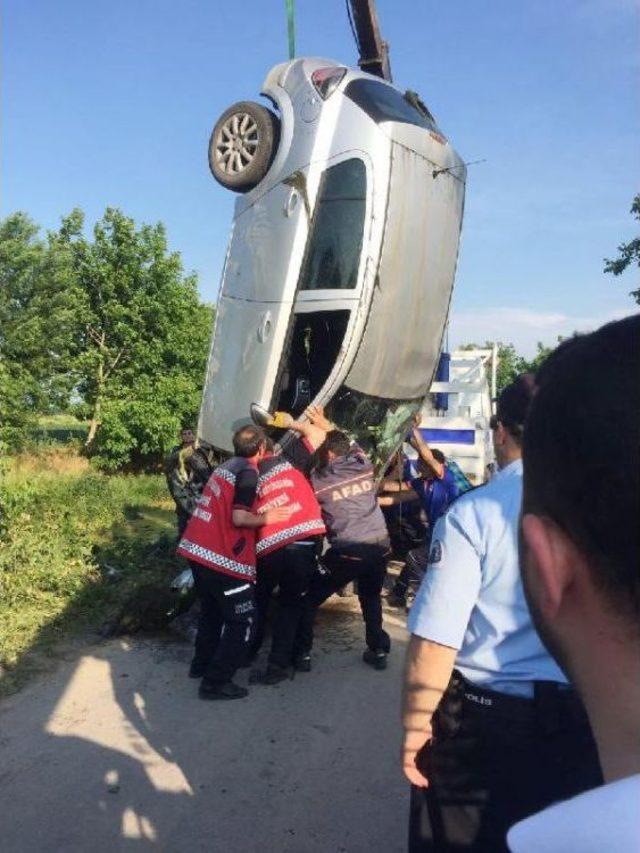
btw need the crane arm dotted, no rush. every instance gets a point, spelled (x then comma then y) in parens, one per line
(373, 50)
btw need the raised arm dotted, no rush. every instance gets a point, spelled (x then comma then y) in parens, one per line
(313, 434)
(424, 450)
(315, 428)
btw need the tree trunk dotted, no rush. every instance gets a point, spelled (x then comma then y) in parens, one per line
(94, 423)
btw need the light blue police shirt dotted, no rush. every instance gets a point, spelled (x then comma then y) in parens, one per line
(471, 597)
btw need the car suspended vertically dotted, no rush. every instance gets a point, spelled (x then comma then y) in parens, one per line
(340, 267)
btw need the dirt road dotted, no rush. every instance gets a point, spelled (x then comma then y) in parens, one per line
(114, 751)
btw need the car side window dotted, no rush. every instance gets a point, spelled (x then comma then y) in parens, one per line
(335, 242)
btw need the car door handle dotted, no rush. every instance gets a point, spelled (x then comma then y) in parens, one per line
(291, 203)
(264, 329)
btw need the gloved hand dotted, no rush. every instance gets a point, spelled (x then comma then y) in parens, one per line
(280, 420)
(262, 417)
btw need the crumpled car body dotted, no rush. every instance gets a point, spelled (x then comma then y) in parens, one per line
(340, 266)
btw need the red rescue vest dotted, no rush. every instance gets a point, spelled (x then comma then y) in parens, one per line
(280, 484)
(211, 537)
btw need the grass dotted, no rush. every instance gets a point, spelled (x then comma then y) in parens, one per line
(79, 550)
(60, 429)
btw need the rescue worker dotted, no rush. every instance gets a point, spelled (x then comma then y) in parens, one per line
(435, 484)
(343, 482)
(492, 730)
(219, 543)
(287, 551)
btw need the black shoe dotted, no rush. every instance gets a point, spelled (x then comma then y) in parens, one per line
(397, 599)
(302, 663)
(377, 659)
(228, 690)
(273, 674)
(196, 670)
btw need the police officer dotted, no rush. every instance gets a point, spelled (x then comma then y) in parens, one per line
(344, 486)
(580, 559)
(219, 543)
(492, 730)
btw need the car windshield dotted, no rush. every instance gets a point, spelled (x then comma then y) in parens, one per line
(335, 242)
(384, 103)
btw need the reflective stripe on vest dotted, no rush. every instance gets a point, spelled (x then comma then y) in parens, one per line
(211, 538)
(204, 555)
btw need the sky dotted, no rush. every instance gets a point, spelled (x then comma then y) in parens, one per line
(111, 103)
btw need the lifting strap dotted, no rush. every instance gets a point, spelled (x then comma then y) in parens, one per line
(291, 28)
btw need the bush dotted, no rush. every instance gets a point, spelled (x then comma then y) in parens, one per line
(74, 548)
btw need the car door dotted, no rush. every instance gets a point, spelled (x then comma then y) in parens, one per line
(258, 289)
(332, 279)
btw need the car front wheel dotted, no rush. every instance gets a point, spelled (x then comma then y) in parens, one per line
(243, 145)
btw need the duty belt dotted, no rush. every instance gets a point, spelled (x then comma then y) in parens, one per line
(551, 701)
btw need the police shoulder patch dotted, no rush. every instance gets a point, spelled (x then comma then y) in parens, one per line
(435, 554)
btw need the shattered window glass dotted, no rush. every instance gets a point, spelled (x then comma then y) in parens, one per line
(335, 243)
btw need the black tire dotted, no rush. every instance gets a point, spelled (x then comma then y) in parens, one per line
(242, 146)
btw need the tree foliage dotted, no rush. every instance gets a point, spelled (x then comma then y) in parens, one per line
(36, 327)
(109, 327)
(629, 252)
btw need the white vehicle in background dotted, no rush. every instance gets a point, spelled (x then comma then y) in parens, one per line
(456, 414)
(340, 267)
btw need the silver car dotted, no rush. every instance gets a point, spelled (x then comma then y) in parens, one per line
(339, 271)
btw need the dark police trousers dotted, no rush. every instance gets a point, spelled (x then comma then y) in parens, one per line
(364, 562)
(496, 759)
(291, 569)
(227, 622)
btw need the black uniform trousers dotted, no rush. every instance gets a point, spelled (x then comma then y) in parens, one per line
(406, 528)
(291, 569)
(496, 759)
(414, 570)
(364, 562)
(227, 622)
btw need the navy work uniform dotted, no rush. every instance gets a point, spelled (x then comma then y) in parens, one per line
(434, 494)
(356, 530)
(509, 735)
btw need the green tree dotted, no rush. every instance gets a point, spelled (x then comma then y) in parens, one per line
(629, 252)
(542, 352)
(141, 336)
(37, 317)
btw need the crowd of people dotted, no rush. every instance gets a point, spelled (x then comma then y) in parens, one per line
(522, 674)
(261, 522)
